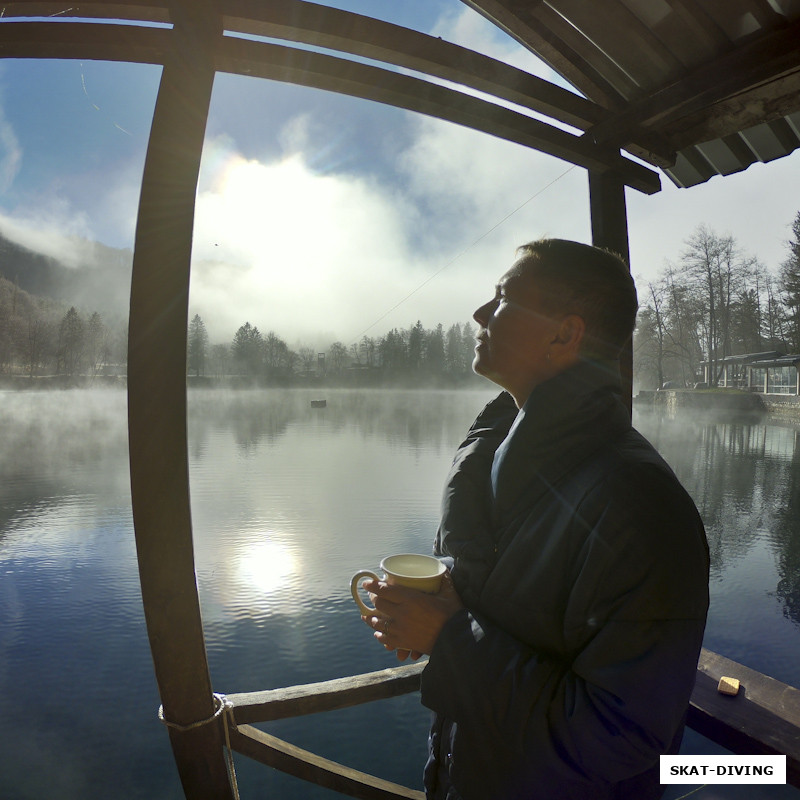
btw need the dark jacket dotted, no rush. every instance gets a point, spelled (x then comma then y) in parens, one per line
(583, 565)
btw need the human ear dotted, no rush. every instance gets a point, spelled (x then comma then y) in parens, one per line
(570, 333)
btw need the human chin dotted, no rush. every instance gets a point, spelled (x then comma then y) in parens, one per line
(481, 363)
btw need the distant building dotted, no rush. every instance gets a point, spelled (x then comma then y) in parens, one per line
(766, 373)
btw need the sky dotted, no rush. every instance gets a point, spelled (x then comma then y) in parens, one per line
(323, 217)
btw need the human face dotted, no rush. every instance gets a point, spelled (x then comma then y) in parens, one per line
(515, 336)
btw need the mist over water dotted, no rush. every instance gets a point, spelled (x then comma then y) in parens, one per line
(287, 502)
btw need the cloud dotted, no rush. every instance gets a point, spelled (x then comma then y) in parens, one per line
(289, 250)
(55, 231)
(10, 153)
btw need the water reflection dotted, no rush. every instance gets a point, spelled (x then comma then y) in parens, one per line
(420, 420)
(265, 567)
(743, 477)
(287, 502)
(787, 540)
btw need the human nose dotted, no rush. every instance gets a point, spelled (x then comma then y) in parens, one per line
(482, 314)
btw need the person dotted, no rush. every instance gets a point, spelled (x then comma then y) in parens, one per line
(563, 645)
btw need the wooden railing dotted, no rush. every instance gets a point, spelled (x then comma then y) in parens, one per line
(309, 699)
(763, 719)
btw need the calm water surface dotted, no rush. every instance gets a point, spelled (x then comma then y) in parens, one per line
(287, 502)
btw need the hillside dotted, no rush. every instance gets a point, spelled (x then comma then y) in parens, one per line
(100, 282)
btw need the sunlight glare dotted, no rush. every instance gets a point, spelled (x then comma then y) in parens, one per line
(267, 566)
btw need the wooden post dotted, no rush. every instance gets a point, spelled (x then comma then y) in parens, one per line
(610, 231)
(157, 401)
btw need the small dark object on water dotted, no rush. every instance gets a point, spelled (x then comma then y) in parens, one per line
(319, 403)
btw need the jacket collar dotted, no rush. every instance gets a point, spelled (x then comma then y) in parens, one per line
(564, 421)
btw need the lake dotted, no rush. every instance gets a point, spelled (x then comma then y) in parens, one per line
(287, 502)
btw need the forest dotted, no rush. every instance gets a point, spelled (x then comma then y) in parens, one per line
(713, 301)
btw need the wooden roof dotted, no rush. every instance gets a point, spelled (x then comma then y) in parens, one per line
(692, 87)
(708, 86)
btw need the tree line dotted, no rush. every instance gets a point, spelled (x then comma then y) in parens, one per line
(410, 355)
(41, 337)
(715, 301)
(38, 336)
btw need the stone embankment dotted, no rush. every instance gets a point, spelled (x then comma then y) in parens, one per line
(721, 400)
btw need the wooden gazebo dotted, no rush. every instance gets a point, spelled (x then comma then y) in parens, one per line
(687, 88)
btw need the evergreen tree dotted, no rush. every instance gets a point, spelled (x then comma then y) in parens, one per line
(790, 286)
(393, 353)
(453, 351)
(434, 351)
(71, 340)
(247, 350)
(416, 345)
(97, 345)
(197, 346)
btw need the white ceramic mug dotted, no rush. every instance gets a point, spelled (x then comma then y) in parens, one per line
(423, 573)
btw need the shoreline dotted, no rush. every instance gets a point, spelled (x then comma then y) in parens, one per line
(727, 400)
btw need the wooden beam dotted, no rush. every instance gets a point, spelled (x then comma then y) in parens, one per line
(766, 102)
(85, 40)
(610, 231)
(322, 26)
(157, 407)
(622, 39)
(521, 23)
(288, 758)
(150, 10)
(312, 698)
(246, 57)
(763, 719)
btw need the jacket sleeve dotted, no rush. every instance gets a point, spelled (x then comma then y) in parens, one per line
(632, 627)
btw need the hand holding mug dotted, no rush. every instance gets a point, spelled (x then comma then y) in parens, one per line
(423, 573)
(406, 618)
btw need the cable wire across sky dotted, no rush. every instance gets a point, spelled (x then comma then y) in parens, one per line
(462, 253)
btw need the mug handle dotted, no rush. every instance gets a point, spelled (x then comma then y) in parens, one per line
(354, 587)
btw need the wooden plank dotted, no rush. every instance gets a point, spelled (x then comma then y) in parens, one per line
(763, 719)
(150, 10)
(765, 59)
(765, 103)
(701, 25)
(276, 753)
(521, 24)
(84, 40)
(639, 53)
(312, 698)
(157, 408)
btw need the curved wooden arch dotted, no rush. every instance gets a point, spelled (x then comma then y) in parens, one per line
(157, 410)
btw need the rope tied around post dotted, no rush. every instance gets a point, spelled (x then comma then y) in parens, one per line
(224, 707)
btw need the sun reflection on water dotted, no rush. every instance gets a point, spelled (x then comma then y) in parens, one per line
(267, 565)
